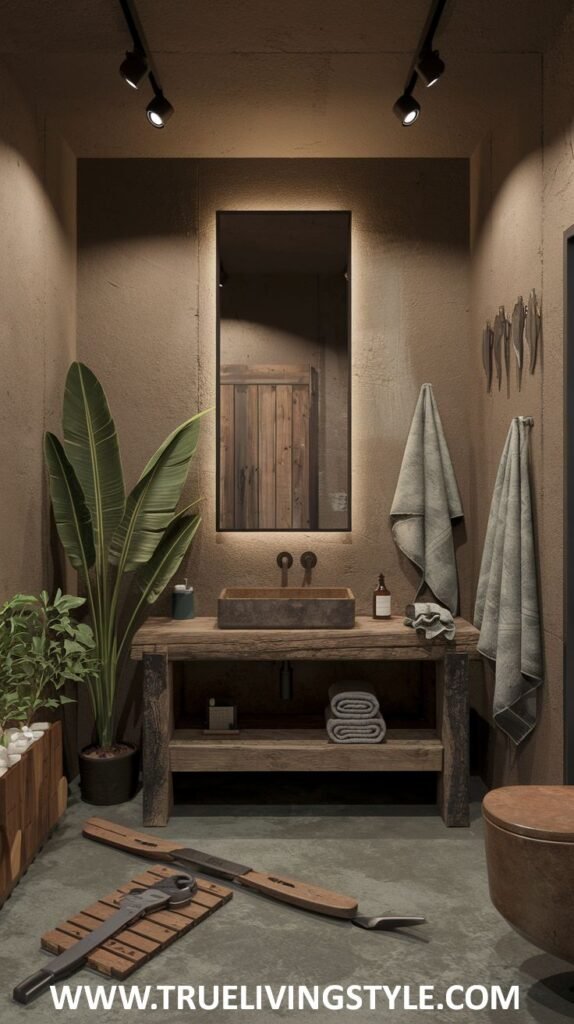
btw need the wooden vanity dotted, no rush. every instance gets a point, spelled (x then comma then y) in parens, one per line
(161, 642)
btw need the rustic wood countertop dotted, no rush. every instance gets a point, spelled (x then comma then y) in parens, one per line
(369, 639)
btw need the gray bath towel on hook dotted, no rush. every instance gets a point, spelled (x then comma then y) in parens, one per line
(427, 502)
(506, 610)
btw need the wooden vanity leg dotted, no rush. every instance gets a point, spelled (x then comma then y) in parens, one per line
(157, 732)
(452, 687)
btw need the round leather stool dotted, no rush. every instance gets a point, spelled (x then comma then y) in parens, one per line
(529, 835)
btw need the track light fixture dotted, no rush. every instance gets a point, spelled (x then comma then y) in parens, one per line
(159, 110)
(134, 68)
(407, 109)
(426, 65)
(430, 67)
(138, 65)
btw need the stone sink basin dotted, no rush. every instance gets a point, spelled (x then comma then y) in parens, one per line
(286, 608)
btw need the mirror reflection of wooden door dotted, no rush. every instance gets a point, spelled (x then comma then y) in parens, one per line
(268, 450)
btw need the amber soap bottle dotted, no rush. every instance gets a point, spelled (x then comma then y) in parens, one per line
(381, 601)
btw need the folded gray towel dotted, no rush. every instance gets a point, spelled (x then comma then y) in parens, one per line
(427, 501)
(354, 730)
(353, 701)
(506, 610)
(431, 619)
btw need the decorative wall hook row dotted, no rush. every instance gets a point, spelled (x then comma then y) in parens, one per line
(506, 332)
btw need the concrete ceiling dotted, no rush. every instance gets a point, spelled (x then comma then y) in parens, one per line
(271, 78)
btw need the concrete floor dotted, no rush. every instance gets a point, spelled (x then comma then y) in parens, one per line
(399, 859)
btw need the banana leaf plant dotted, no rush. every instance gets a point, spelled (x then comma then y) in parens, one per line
(125, 548)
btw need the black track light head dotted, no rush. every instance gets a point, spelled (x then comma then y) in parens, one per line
(134, 68)
(430, 67)
(407, 109)
(159, 110)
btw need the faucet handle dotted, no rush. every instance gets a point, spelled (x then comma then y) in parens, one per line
(308, 560)
(288, 560)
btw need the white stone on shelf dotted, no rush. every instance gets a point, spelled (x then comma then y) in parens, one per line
(13, 734)
(3, 756)
(18, 746)
(3, 770)
(13, 759)
(40, 725)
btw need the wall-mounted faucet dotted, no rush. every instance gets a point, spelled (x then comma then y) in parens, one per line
(284, 561)
(308, 561)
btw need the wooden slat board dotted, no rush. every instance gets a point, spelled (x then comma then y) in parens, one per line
(134, 946)
(267, 420)
(227, 457)
(284, 468)
(303, 750)
(368, 640)
(33, 797)
(268, 447)
(263, 373)
(301, 458)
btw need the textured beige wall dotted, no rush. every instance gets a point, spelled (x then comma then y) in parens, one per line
(147, 326)
(522, 197)
(37, 327)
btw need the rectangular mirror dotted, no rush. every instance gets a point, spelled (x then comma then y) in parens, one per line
(283, 368)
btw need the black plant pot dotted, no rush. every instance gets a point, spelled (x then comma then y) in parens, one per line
(112, 779)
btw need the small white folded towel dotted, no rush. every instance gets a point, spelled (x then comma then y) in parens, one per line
(431, 619)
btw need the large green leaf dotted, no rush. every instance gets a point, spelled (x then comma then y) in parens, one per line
(151, 505)
(91, 444)
(152, 579)
(72, 516)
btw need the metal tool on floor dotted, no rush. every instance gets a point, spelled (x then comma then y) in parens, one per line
(287, 890)
(173, 892)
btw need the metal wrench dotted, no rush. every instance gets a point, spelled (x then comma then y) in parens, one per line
(173, 892)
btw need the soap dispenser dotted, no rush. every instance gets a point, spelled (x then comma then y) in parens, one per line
(381, 600)
(182, 602)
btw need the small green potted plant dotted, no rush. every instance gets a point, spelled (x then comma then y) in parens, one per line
(125, 548)
(42, 647)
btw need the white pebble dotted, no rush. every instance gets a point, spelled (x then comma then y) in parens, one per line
(3, 755)
(3, 770)
(37, 734)
(17, 746)
(14, 758)
(40, 725)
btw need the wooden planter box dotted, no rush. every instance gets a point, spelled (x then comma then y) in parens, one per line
(33, 797)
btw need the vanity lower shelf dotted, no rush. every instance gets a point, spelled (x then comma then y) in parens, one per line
(293, 750)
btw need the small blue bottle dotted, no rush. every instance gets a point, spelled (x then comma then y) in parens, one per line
(182, 602)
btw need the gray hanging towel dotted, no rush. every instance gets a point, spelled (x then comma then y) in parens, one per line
(427, 502)
(506, 610)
